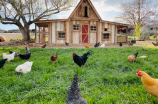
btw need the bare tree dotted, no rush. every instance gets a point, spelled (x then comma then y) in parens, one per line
(139, 12)
(23, 13)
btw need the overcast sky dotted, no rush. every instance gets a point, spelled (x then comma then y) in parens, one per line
(107, 9)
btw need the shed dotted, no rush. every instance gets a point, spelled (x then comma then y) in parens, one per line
(83, 26)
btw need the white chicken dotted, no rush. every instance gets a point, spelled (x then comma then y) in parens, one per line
(8, 57)
(24, 68)
(103, 45)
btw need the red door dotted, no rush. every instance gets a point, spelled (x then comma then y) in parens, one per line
(84, 33)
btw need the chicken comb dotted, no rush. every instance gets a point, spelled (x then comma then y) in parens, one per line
(138, 71)
(1, 53)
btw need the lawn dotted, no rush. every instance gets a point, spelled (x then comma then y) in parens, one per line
(106, 78)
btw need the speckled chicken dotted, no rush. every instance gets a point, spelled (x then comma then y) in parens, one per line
(73, 93)
(54, 58)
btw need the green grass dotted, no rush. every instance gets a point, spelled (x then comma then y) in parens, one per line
(106, 78)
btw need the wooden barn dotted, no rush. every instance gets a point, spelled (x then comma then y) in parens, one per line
(83, 26)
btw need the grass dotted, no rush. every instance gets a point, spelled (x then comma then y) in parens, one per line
(106, 78)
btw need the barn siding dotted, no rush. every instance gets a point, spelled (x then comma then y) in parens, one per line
(75, 37)
(53, 32)
(67, 32)
(113, 33)
(93, 37)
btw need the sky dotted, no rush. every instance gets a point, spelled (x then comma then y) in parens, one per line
(107, 9)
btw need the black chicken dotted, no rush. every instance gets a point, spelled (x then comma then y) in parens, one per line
(66, 43)
(73, 93)
(120, 44)
(25, 57)
(44, 46)
(97, 44)
(2, 62)
(81, 60)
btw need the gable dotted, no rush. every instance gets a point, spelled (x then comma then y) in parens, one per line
(85, 9)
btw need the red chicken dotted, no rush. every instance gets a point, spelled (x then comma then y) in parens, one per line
(54, 58)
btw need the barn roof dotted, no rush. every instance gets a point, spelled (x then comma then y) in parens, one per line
(90, 5)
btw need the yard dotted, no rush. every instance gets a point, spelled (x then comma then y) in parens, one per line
(106, 78)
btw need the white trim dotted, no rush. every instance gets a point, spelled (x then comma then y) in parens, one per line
(53, 32)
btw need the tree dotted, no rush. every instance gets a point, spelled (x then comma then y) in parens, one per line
(23, 13)
(138, 29)
(139, 12)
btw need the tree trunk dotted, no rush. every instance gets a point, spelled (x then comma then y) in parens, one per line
(25, 33)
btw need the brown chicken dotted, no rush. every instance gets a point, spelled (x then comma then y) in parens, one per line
(155, 44)
(87, 46)
(133, 57)
(130, 44)
(54, 58)
(150, 84)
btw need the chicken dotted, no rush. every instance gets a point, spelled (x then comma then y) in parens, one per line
(81, 60)
(8, 57)
(130, 44)
(44, 46)
(120, 44)
(73, 93)
(97, 44)
(24, 68)
(66, 43)
(103, 45)
(2, 62)
(133, 57)
(25, 57)
(27, 50)
(87, 46)
(150, 84)
(54, 58)
(155, 44)
(16, 53)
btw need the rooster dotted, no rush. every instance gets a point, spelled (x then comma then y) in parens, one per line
(87, 46)
(8, 57)
(73, 93)
(150, 84)
(66, 43)
(133, 57)
(155, 44)
(44, 46)
(54, 58)
(2, 62)
(27, 50)
(120, 44)
(16, 53)
(25, 57)
(81, 60)
(24, 68)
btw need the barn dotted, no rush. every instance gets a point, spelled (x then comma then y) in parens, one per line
(83, 26)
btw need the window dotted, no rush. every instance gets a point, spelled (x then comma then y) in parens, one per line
(61, 35)
(106, 36)
(86, 12)
(105, 29)
(93, 28)
(75, 27)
